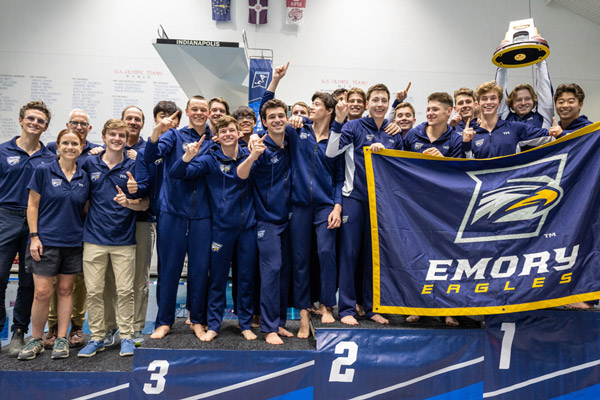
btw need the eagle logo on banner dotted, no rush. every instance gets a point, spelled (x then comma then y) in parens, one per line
(513, 202)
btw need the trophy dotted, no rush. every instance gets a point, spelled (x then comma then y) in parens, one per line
(518, 48)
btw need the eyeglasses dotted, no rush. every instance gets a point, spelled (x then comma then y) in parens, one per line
(82, 124)
(40, 121)
(243, 117)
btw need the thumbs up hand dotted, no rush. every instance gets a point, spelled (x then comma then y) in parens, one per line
(555, 130)
(132, 186)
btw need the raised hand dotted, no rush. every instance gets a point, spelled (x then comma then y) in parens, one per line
(192, 149)
(468, 133)
(280, 71)
(296, 122)
(132, 186)
(401, 95)
(455, 120)
(258, 148)
(341, 111)
(164, 125)
(555, 130)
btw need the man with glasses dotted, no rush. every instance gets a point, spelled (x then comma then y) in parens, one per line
(18, 158)
(79, 123)
(246, 119)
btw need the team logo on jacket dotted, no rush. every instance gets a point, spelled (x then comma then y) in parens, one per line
(225, 168)
(14, 160)
(81, 185)
(512, 202)
(344, 219)
(158, 162)
(446, 147)
(479, 142)
(215, 247)
(304, 135)
(370, 137)
(260, 234)
(418, 146)
(56, 182)
(274, 160)
(95, 176)
(122, 176)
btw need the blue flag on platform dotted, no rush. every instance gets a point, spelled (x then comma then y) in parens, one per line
(221, 10)
(260, 77)
(471, 237)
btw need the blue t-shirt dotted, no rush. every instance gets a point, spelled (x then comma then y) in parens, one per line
(60, 212)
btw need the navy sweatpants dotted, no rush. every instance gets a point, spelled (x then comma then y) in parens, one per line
(224, 244)
(275, 271)
(177, 236)
(305, 220)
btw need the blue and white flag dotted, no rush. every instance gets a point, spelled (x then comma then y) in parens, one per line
(260, 77)
(468, 237)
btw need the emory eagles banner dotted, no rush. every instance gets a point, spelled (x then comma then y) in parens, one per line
(471, 237)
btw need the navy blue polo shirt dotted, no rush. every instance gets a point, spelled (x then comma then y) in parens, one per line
(107, 222)
(60, 213)
(16, 169)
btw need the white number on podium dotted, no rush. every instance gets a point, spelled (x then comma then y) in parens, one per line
(509, 334)
(336, 374)
(163, 367)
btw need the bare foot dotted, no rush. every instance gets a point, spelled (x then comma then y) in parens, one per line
(379, 319)
(451, 321)
(255, 321)
(188, 321)
(248, 335)
(160, 332)
(304, 330)
(582, 305)
(360, 310)
(326, 315)
(315, 310)
(208, 336)
(284, 332)
(199, 331)
(273, 338)
(349, 320)
(412, 318)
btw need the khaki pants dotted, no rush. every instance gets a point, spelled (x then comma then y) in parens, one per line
(145, 236)
(78, 315)
(96, 260)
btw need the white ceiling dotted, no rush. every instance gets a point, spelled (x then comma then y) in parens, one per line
(588, 9)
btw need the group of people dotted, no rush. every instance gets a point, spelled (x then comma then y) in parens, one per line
(285, 209)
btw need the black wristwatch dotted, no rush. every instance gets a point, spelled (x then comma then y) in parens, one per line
(33, 234)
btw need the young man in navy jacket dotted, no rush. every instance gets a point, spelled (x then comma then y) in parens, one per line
(270, 174)
(185, 219)
(435, 137)
(233, 223)
(18, 159)
(349, 139)
(568, 101)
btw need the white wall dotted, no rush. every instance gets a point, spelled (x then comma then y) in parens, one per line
(103, 49)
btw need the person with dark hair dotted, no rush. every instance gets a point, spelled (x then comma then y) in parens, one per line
(568, 100)
(340, 94)
(357, 100)
(246, 119)
(18, 159)
(466, 109)
(404, 117)
(184, 223)
(164, 109)
(270, 173)
(233, 223)
(58, 193)
(217, 107)
(349, 139)
(435, 137)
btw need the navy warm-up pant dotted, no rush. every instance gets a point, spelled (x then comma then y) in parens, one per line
(224, 244)
(305, 220)
(355, 236)
(275, 271)
(177, 236)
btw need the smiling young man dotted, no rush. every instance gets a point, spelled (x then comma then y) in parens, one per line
(109, 238)
(234, 223)
(356, 103)
(18, 158)
(435, 136)
(246, 119)
(495, 137)
(217, 108)
(404, 117)
(185, 219)
(568, 100)
(349, 139)
(466, 109)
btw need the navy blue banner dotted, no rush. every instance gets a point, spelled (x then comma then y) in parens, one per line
(469, 237)
(260, 77)
(542, 355)
(399, 364)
